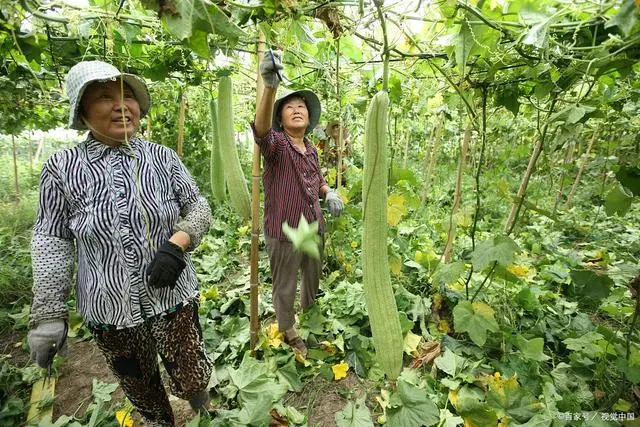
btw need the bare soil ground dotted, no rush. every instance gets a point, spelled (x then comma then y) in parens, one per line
(320, 399)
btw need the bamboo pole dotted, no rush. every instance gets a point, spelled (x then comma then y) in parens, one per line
(254, 322)
(183, 107)
(339, 141)
(431, 157)
(149, 130)
(405, 140)
(537, 149)
(568, 158)
(515, 207)
(30, 151)
(583, 165)
(36, 158)
(15, 165)
(464, 148)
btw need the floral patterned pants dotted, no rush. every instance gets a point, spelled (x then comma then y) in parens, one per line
(132, 355)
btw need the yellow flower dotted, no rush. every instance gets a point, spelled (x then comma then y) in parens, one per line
(340, 370)
(354, 244)
(274, 336)
(124, 418)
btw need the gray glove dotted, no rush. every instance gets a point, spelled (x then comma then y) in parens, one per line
(47, 339)
(270, 67)
(334, 203)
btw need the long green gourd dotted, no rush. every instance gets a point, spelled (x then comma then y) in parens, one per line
(379, 296)
(236, 183)
(216, 167)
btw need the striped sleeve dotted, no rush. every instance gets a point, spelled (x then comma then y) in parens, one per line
(267, 143)
(53, 208)
(52, 249)
(184, 187)
(195, 212)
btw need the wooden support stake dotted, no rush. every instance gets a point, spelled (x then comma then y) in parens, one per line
(583, 164)
(31, 151)
(183, 107)
(15, 166)
(464, 147)
(36, 158)
(432, 156)
(515, 207)
(254, 321)
(339, 141)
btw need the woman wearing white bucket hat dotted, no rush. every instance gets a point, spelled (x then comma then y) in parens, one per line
(130, 212)
(293, 184)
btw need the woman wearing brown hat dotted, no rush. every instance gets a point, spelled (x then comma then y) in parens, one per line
(293, 185)
(130, 212)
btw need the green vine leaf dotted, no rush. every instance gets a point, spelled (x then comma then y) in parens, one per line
(626, 17)
(618, 201)
(354, 415)
(191, 15)
(500, 249)
(304, 238)
(410, 406)
(475, 318)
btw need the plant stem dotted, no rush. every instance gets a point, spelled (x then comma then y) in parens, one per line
(632, 326)
(486, 278)
(385, 45)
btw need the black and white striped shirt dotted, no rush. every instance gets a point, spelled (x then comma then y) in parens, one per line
(112, 207)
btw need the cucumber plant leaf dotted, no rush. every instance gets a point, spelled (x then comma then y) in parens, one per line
(304, 238)
(354, 415)
(618, 201)
(410, 406)
(501, 249)
(629, 177)
(475, 318)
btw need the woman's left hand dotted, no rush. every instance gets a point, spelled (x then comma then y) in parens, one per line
(166, 267)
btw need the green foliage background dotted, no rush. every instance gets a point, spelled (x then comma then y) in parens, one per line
(535, 317)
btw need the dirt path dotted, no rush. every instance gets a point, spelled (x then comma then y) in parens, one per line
(83, 363)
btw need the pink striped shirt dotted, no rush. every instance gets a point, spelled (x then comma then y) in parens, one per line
(292, 182)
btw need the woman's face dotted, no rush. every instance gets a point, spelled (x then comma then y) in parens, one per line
(112, 114)
(294, 115)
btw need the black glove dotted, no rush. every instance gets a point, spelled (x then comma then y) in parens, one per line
(166, 267)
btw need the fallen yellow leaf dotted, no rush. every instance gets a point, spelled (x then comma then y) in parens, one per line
(521, 271)
(329, 348)
(411, 343)
(443, 326)
(340, 370)
(274, 336)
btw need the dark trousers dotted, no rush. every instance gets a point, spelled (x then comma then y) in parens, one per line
(132, 355)
(285, 262)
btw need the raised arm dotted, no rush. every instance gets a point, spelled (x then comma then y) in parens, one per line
(264, 111)
(270, 69)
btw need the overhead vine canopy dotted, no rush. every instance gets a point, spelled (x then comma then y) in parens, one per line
(529, 52)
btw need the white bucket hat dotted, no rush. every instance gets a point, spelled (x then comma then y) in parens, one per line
(311, 100)
(84, 73)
